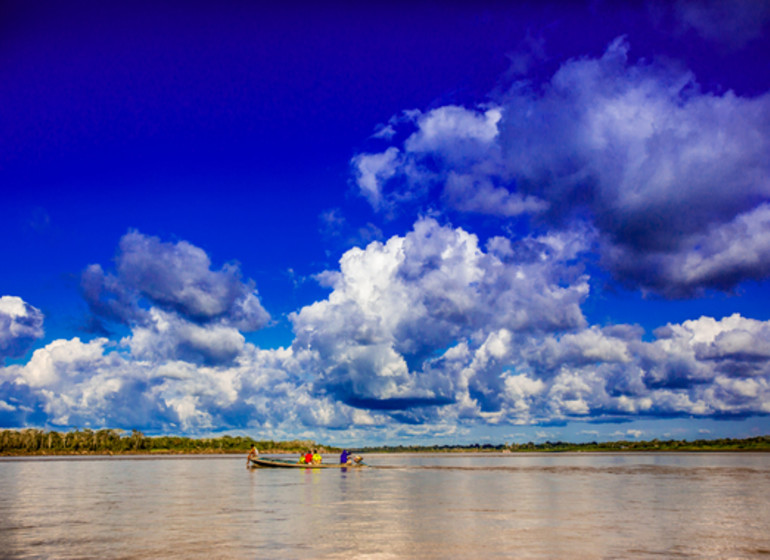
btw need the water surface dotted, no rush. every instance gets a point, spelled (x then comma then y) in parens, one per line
(571, 505)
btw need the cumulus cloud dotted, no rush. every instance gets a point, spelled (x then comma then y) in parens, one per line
(429, 328)
(172, 276)
(435, 328)
(704, 367)
(675, 180)
(424, 332)
(454, 132)
(668, 183)
(74, 383)
(453, 149)
(372, 170)
(734, 347)
(184, 366)
(469, 193)
(597, 375)
(20, 325)
(176, 305)
(167, 336)
(719, 258)
(396, 304)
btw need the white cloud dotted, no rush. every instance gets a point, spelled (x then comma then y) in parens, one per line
(176, 305)
(704, 348)
(94, 384)
(453, 131)
(4, 406)
(175, 277)
(479, 194)
(62, 362)
(394, 305)
(432, 327)
(20, 325)
(674, 180)
(608, 373)
(465, 142)
(425, 329)
(697, 368)
(736, 249)
(659, 163)
(167, 336)
(372, 170)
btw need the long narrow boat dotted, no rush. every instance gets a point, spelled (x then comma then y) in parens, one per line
(284, 463)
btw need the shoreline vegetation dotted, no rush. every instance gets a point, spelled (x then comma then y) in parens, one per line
(759, 443)
(32, 441)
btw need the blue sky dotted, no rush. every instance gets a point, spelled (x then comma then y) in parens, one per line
(386, 223)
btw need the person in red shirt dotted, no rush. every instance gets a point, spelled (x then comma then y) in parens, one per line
(309, 458)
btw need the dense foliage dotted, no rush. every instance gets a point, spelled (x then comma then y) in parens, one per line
(40, 442)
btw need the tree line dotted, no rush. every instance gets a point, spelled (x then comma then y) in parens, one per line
(32, 441)
(759, 443)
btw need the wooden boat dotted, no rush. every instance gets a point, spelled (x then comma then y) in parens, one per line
(285, 463)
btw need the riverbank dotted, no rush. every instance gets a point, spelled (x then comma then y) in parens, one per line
(115, 442)
(759, 443)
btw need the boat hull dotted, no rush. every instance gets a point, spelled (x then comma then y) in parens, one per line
(284, 464)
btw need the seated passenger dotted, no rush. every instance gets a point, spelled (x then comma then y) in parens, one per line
(308, 457)
(253, 454)
(316, 458)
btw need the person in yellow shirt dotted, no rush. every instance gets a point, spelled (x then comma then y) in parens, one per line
(316, 457)
(253, 454)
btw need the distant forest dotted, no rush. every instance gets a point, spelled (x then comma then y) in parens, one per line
(109, 442)
(760, 443)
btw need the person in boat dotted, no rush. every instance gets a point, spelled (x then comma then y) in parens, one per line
(253, 454)
(344, 457)
(308, 457)
(316, 457)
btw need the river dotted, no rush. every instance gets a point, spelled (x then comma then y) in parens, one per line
(569, 505)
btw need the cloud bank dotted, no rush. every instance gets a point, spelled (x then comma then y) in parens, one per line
(675, 180)
(427, 330)
(615, 166)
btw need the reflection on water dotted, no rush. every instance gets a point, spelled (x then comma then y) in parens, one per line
(427, 506)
